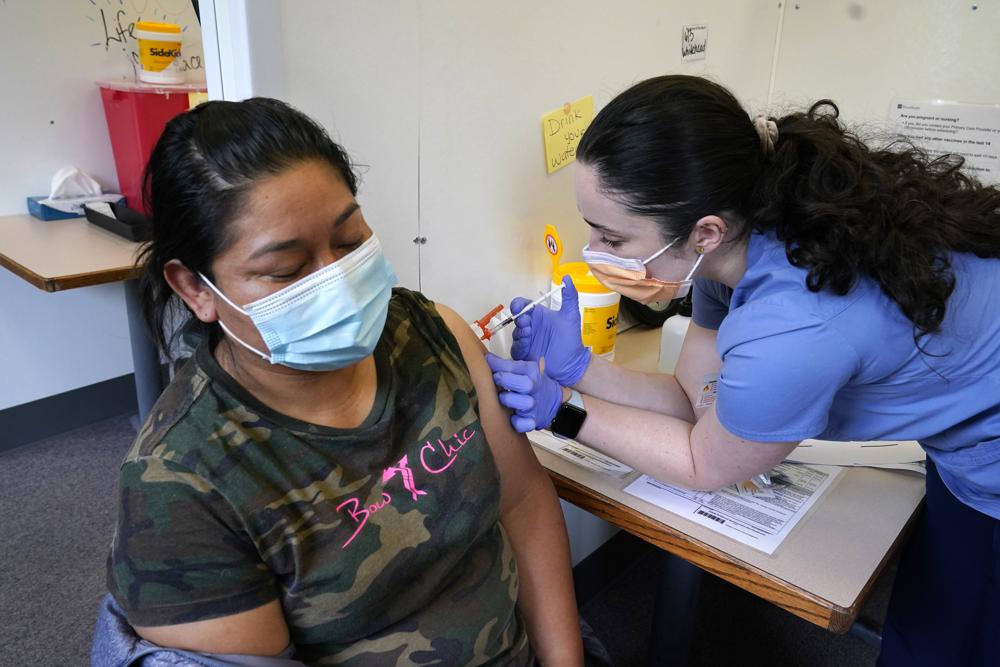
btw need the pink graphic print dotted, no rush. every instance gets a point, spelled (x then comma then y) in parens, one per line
(442, 454)
(404, 470)
(361, 515)
(449, 452)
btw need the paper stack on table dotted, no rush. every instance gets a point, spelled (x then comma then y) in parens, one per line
(759, 520)
(571, 450)
(758, 516)
(898, 455)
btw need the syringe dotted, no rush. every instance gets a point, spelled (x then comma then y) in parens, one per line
(491, 332)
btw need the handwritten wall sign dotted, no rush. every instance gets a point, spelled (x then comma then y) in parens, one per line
(562, 130)
(694, 42)
(113, 23)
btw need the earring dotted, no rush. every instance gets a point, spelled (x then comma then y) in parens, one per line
(700, 249)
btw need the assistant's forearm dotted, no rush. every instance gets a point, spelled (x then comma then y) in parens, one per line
(538, 536)
(656, 392)
(655, 444)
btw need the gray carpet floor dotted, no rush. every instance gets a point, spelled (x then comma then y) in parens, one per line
(57, 503)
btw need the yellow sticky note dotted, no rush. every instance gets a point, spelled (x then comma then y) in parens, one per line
(194, 99)
(562, 130)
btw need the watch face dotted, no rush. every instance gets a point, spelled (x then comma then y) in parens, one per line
(568, 420)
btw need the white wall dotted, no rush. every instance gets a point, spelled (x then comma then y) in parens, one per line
(51, 53)
(442, 100)
(864, 54)
(486, 77)
(354, 67)
(51, 343)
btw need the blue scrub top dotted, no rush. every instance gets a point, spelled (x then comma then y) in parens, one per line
(800, 364)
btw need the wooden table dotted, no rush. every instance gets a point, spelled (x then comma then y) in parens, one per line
(56, 255)
(823, 570)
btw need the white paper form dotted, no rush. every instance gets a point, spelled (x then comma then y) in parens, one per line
(761, 521)
(571, 450)
(969, 130)
(900, 455)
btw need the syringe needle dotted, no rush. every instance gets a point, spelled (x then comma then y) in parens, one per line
(525, 309)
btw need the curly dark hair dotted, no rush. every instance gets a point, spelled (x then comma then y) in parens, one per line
(678, 148)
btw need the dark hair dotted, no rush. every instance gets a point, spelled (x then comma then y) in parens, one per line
(198, 177)
(678, 148)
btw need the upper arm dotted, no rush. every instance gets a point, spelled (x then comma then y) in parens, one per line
(182, 566)
(698, 363)
(261, 631)
(721, 458)
(520, 471)
(780, 373)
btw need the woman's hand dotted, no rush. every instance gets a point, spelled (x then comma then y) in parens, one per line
(553, 335)
(531, 394)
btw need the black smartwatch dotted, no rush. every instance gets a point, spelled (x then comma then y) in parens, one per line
(570, 417)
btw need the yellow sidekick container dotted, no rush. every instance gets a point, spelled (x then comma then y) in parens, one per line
(598, 304)
(159, 52)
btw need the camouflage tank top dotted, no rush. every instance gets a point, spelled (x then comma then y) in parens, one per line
(383, 542)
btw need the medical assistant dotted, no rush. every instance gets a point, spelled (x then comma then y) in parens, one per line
(799, 364)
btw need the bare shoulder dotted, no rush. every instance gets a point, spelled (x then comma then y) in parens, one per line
(474, 353)
(520, 473)
(464, 334)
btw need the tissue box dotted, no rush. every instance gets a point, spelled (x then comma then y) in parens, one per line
(43, 212)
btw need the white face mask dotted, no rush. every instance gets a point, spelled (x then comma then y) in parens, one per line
(328, 320)
(626, 263)
(628, 276)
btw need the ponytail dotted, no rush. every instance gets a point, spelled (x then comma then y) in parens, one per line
(845, 210)
(677, 148)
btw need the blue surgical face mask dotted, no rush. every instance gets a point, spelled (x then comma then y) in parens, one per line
(330, 319)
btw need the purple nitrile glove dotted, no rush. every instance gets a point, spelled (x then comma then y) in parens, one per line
(532, 395)
(553, 335)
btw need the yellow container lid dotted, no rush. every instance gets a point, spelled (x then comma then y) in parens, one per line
(154, 26)
(582, 278)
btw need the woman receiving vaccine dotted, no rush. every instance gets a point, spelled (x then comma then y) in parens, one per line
(330, 479)
(841, 292)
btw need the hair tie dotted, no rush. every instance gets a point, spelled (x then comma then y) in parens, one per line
(767, 130)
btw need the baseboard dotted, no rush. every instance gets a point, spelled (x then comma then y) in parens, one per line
(28, 422)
